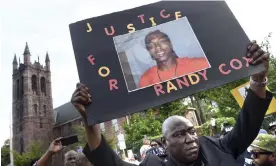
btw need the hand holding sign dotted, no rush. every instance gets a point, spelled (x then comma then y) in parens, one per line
(257, 56)
(81, 98)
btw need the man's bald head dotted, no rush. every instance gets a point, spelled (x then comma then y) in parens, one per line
(181, 139)
(70, 158)
(171, 121)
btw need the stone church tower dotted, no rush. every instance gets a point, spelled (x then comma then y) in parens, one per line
(32, 108)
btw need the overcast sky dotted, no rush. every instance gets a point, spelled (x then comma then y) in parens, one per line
(44, 25)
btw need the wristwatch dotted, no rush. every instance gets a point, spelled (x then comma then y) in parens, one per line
(257, 83)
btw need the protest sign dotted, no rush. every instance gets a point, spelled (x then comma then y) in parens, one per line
(150, 55)
(240, 93)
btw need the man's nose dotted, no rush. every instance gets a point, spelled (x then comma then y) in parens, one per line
(157, 47)
(189, 138)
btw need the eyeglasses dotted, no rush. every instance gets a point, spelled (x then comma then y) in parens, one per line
(257, 154)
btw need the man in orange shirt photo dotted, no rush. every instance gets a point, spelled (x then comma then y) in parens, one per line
(169, 65)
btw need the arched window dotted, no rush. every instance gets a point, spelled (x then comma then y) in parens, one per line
(43, 85)
(35, 109)
(34, 84)
(22, 86)
(20, 126)
(17, 89)
(44, 109)
(21, 145)
(40, 120)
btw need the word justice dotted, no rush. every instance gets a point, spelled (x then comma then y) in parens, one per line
(111, 30)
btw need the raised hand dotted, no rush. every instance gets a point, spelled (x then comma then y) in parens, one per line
(80, 98)
(258, 56)
(55, 146)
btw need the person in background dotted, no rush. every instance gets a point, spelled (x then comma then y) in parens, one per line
(264, 150)
(54, 148)
(157, 149)
(245, 159)
(226, 128)
(155, 143)
(272, 128)
(70, 158)
(144, 148)
(133, 159)
(181, 141)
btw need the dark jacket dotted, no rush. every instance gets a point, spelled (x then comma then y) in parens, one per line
(213, 151)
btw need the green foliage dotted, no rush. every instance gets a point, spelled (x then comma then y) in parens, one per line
(158, 137)
(227, 105)
(139, 126)
(5, 153)
(168, 109)
(205, 128)
(25, 158)
(272, 75)
(272, 64)
(80, 131)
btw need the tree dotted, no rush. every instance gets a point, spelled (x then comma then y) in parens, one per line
(205, 128)
(272, 75)
(34, 151)
(168, 109)
(5, 153)
(80, 131)
(227, 105)
(272, 64)
(140, 125)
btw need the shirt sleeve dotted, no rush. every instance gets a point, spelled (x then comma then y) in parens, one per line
(104, 156)
(247, 124)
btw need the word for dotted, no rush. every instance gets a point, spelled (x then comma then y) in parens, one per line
(180, 83)
(104, 71)
(111, 30)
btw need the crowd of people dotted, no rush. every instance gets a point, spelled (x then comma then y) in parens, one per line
(245, 143)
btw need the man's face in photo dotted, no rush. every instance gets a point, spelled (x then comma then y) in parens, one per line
(159, 47)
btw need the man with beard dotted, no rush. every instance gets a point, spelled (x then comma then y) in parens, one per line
(181, 142)
(168, 64)
(264, 150)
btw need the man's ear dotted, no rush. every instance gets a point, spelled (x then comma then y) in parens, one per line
(163, 141)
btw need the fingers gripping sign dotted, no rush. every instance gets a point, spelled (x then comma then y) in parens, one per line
(80, 98)
(257, 56)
